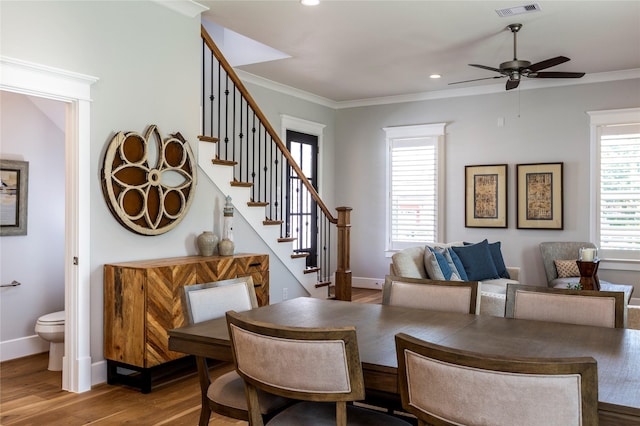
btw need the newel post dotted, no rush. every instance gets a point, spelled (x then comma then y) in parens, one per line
(343, 271)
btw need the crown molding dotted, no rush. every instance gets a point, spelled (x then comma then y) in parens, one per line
(529, 84)
(188, 8)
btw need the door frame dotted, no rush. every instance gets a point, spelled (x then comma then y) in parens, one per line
(75, 90)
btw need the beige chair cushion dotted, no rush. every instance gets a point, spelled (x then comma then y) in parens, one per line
(213, 302)
(566, 308)
(434, 297)
(486, 394)
(228, 390)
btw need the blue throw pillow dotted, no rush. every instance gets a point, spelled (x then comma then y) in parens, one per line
(477, 261)
(498, 261)
(436, 265)
(457, 264)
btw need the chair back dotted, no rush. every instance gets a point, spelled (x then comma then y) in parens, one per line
(583, 307)
(446, 386)
(559, 250)
(310, 364)
(450, 296)
(202, 302)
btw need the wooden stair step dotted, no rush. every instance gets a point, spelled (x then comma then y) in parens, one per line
(272, 222)
(224, 162)
(299, 255)
(204, 138)
(257, 203)
(311, 270)
(286, 240)
(323, 284)
(242, 184)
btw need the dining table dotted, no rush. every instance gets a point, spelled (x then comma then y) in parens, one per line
(616, 350)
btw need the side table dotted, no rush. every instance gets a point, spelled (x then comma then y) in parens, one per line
(589, 274)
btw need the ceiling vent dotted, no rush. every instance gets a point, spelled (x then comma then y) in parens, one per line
(518, 10)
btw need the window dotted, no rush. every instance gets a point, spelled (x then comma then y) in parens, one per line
(415, 168)
(616, 169)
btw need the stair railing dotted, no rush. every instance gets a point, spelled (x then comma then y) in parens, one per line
(246, 140)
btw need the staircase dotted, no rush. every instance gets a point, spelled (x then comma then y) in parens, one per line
(245, 158)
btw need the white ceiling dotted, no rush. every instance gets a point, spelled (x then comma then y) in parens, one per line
(353, 50)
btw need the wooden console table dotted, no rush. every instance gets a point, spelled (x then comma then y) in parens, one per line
(142, 300)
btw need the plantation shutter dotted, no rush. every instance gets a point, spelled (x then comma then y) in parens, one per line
(619, 190)
(413, 191)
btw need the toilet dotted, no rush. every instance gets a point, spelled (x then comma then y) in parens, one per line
(50, 327)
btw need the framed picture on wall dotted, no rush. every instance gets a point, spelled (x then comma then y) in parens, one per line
(539, 196)
(14, 180)
(486, 196)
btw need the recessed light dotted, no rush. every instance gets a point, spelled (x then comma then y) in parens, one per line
(435, 76)
(310, 2)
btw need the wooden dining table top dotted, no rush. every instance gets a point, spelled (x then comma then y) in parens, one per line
(617, 351)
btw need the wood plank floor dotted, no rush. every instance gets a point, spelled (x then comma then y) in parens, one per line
(32, 395)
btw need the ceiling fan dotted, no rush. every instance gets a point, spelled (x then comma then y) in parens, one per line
(517, 68)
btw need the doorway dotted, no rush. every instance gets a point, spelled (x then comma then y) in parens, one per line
(75, 90)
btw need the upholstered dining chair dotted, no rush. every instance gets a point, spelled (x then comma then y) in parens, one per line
(320, 367)
(584, 307)
(446, 386)
(451, 296)
(224, 395)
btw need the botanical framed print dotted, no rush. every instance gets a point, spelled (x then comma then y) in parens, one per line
(14, 180)
(539, 196)
(486, 196)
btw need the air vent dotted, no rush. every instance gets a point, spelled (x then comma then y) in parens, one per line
(518, 10)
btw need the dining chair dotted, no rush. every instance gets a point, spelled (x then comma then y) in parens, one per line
(319, 367)
(224, 395)
(446, 386)
(450, 296)
(583, 307)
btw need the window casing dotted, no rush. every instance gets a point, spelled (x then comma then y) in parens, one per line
(415, 170)
(615, 227)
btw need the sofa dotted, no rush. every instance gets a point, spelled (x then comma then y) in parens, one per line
(412, 262)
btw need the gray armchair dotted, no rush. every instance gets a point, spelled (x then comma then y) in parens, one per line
(560, 250)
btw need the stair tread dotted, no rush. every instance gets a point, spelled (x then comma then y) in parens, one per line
(323, 284)
(257, 204)
(311, 270)
(224, 162)
(286, 240)
(241, 184)
(298, 255)
(204, 138)
(272, 222)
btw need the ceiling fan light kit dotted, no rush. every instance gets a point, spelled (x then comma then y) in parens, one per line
(515, 69)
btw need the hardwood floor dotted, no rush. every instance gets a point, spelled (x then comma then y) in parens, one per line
(32, 395)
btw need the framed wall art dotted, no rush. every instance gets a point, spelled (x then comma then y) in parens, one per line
(539, 196)
(486, 196)
(14, 181)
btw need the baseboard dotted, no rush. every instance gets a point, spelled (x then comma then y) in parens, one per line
(370, 283)
(24, 346)
(99, 372)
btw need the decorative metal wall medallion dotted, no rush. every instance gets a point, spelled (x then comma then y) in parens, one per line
(149, 183)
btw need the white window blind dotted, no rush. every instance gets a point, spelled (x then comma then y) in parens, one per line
(619, 190)
(413, 183)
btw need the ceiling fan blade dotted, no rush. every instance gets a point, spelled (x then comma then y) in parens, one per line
(558, 74)
(478, 79)
(548, 63)
(512, 84)
(484, 67)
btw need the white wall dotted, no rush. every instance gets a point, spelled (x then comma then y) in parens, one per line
(36, 260)
(545, 125)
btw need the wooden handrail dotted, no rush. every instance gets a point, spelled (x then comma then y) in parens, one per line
(267, 125)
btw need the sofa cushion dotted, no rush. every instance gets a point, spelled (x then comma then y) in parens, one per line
(410, 263)
(498, 260)
(477, 261)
